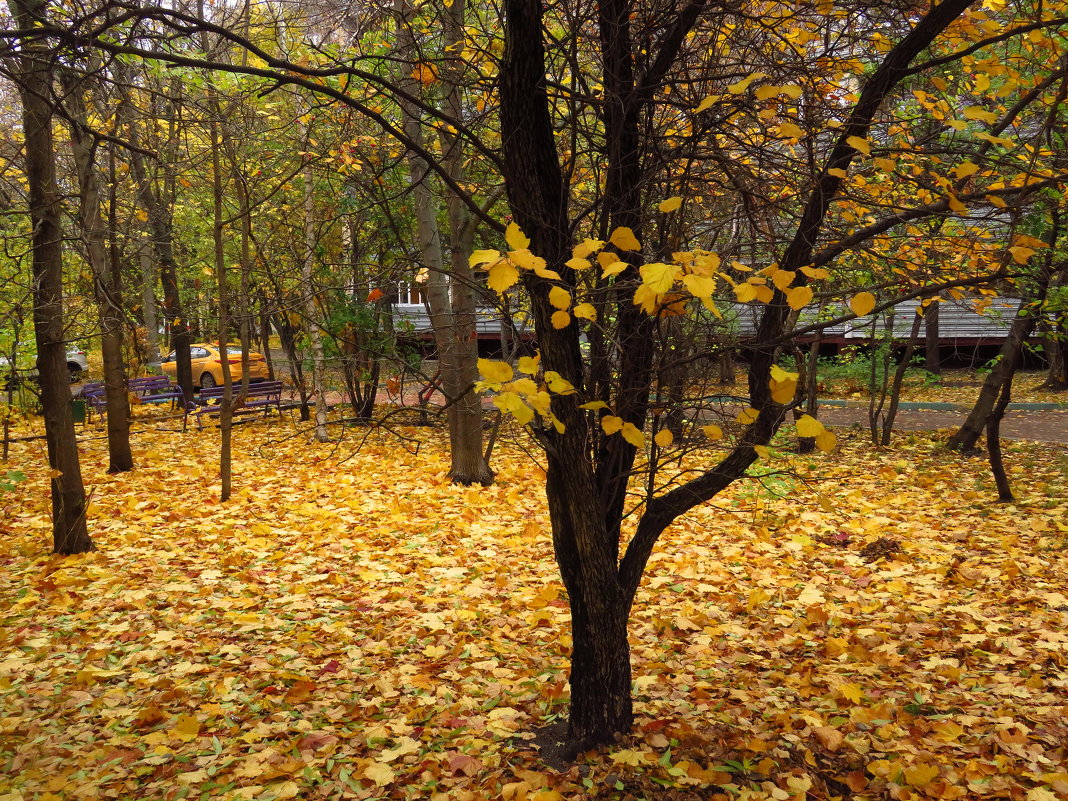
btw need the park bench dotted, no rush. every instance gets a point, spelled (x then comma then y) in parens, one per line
(262, 395)
(147, 389)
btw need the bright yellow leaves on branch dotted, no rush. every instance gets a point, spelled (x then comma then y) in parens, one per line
(523, 397)
(862, 303)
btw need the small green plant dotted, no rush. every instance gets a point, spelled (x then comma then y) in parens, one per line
(9, 479)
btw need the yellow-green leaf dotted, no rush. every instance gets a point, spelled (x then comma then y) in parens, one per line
(594, 405)
(610, 424)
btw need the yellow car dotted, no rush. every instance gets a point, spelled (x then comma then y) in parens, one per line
(207, 366)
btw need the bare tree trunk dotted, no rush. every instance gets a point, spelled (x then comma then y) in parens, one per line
(993, 442)
(106, 282)
(451, 305)
(148, 303)
(159, 221)
(311, 311)
(34, 69)
(899, 378)
(932, 349)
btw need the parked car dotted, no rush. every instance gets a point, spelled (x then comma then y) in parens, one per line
(26, 370)
(207, 364)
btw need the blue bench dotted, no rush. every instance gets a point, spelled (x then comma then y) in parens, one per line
(261, 395)
(149, 389)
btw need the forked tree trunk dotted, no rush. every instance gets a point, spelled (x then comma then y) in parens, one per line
(34, 71)
(932, 349)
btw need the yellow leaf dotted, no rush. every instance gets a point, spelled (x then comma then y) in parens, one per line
(611, 424)
(526, 260)
(586, 311)
(502, 276)
(1020, 255)
(633, 435)
(745, 292)
(955, 204)
(920, 775)
(706, 103)
(815, 273)
(623, 238)
(826, 441)
(671, 204)
(664, 438)
(586, 248)
(515, 237)
(614, 268)
(529, 364)
(742, 85)
(558, 384)
(859, 143)
(837, 172)
(510, 403)
(887, 165)
(495, 372)
(799, 297)
(379, 772)
(576, 263)
(809, 426)
(593, 405)
(747, 416)
(981, 114)
(559, 298)
(783, 391)
(783, 278)
(483, 257)
(862, 303)
(658, 277)
(560, 319)
(851, 692)
(966, 168)
(700, 286)
(186, 728)
(712, 431)
(792, 91)
(762, 451)
(764, 92)
(790, 131)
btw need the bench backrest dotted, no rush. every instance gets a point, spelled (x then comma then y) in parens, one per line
(148, 383)
(259, 390)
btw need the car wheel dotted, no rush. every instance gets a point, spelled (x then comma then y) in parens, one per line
(207, 381)
(75, 372)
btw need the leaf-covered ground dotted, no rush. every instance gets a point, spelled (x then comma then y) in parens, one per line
(350, 625)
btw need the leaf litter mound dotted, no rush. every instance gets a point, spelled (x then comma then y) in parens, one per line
(350, 625)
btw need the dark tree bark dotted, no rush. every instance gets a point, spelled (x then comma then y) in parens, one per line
(34, 70)
(587, 473)
(160, 227)
(993, 442)
(932, 349)
(106, 278)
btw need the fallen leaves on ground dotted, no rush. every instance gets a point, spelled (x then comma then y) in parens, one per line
(350, 625)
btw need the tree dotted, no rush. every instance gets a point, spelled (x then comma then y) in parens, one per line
(33, 70)
(591, 139)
